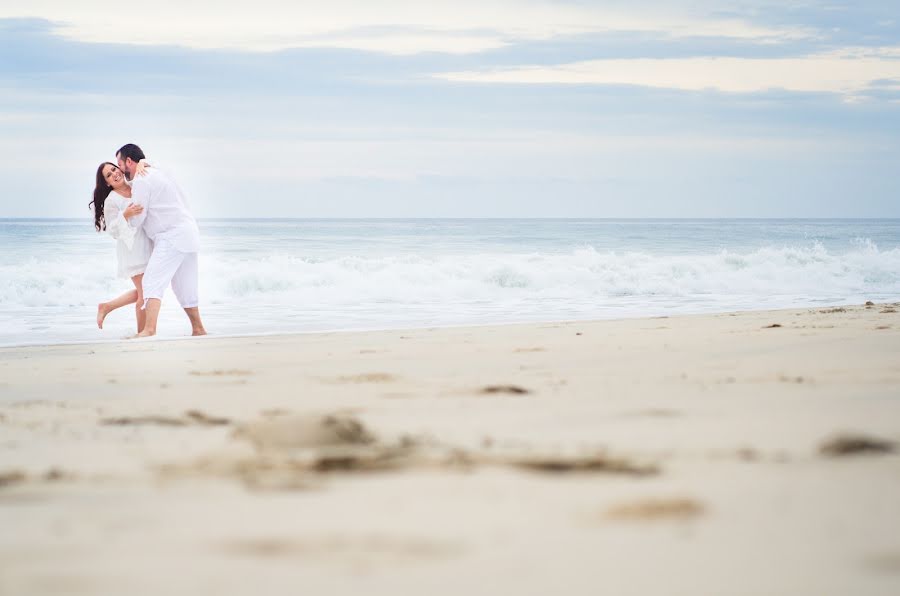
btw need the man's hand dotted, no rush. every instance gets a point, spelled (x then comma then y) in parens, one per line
(141, 168)
(132, 210)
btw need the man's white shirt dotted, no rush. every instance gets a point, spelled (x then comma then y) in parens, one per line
(166, 215)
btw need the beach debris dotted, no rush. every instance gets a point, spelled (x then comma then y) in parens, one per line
(829, 311)
(855, 444)
(656, 509)
(507, 389)
(772, 326)
(869, 303)
(888, 311)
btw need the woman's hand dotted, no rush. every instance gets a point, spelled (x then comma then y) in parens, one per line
(141, 168)
(132, 210)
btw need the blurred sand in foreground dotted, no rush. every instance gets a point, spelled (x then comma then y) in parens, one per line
(746, 453)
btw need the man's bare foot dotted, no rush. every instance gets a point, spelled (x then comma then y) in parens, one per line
(102, 311)
(145, 333)
(197, 332)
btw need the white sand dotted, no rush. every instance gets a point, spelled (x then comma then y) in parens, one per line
(108, 486)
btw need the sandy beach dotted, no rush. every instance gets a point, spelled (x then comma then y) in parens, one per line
(743, 453)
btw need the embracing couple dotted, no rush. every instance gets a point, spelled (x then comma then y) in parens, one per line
(145, 210)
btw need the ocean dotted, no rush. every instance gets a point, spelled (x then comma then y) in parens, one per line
(295, 275)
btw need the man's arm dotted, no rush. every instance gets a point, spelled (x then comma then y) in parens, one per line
(140, 195)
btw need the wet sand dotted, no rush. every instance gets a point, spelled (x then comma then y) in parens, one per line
(744, 453)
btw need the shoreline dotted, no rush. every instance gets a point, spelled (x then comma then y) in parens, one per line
(761, 445)
(89, 342)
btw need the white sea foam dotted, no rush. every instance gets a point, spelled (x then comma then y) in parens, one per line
(583, 274)
(265, 277)
(454, 281)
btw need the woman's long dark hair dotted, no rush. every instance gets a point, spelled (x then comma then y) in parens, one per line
(101, 191)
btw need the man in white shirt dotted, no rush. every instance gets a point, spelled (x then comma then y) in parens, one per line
(167, 221)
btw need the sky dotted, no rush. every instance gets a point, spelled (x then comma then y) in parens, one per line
(488, 108)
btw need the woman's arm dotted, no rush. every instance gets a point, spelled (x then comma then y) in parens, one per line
(116, 224)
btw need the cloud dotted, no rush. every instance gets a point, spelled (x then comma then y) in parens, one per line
(847, 71)
(388, 26)
(350, 120)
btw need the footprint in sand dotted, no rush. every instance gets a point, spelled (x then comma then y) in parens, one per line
(853, 444)
(232, 372)
(305, 432)
(656, 509)
(12, 477)
(504, 389)
(656, 413)
(348, 548)
(293, 450)
(190, 418)
(789, 379)
(561, 464)
(887, 562)
(377, 377)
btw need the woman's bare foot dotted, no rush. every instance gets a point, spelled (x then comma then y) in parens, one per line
(102, 310)
(145, 333)
(197, 332)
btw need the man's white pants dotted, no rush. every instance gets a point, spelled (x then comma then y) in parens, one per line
(169, 265)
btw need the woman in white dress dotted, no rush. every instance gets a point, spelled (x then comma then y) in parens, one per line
(112, 207)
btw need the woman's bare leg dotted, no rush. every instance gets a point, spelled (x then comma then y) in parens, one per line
(139, 312)
(104, 308)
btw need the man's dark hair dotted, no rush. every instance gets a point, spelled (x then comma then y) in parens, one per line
(131, 150)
